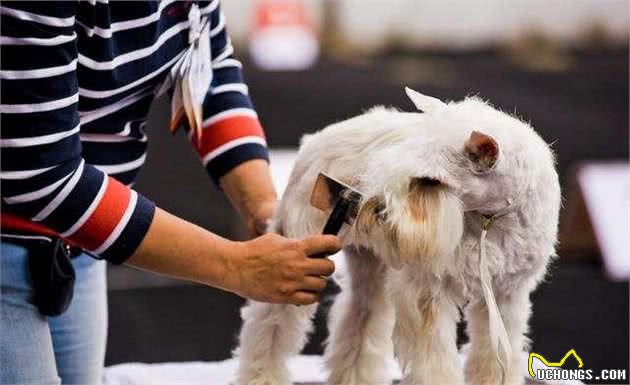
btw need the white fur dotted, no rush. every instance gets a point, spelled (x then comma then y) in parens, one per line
(410, 271)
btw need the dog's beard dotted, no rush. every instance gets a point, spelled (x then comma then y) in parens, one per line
(424, 227)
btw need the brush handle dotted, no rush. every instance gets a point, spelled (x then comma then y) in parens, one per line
(335, 221)
(337, 217)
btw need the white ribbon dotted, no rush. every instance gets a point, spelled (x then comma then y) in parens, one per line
(191, 76)
(499, 338)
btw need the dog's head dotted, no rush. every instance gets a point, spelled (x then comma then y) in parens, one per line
(410, 216)
(466, 156)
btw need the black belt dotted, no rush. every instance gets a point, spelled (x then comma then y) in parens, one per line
(51, 270)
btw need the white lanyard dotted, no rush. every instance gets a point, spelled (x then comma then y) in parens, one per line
(499, 339)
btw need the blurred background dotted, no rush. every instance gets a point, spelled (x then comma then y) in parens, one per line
(562, 65)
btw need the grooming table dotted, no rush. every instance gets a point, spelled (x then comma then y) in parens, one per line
(305, 370)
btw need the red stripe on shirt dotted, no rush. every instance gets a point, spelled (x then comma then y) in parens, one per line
(225, 131)
(11, 222)
(105, 217)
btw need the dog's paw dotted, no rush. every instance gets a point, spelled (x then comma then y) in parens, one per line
(489, 374)
(433, 378)
(350, 378)
(264, 377)
(357, 383)
(494, 381)
(263, 380)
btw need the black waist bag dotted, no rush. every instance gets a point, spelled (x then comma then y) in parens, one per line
(52, 276)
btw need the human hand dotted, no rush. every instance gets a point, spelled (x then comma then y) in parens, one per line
(275, 269)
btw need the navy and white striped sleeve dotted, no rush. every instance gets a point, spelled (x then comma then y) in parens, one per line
(44, 177)
(232, 133)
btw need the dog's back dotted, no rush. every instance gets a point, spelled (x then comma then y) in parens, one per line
(342, 149)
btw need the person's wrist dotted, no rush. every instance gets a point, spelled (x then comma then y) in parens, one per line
(232, 254)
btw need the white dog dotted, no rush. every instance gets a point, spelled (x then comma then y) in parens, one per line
(434, 184)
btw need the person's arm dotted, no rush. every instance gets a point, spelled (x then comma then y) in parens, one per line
(232, 143)
(45, 179)
(250, 189)
(270, 268)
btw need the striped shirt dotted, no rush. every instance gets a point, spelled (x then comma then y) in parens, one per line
(77, 80)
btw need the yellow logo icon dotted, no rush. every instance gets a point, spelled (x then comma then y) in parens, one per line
(552, 364)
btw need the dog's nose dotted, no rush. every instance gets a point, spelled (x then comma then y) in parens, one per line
(427, 181)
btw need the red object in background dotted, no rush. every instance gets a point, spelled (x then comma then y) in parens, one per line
(282, 36)
(274, 13)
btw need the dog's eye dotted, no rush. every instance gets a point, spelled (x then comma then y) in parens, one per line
(380, 213)
(429, 182)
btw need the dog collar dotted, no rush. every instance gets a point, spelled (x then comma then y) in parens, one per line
(488, 220)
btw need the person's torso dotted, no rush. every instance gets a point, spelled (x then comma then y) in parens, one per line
(126, 50)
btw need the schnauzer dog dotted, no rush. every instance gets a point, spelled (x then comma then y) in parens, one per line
(459, 211)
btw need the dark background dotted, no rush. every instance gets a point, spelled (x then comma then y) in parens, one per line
(582, 108)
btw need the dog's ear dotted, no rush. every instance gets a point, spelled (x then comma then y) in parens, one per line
(424, 103)
(482, 150)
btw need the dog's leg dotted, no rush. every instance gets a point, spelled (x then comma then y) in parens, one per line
(271, 334)
(425, 336)
(361, 323)
(482, 367)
